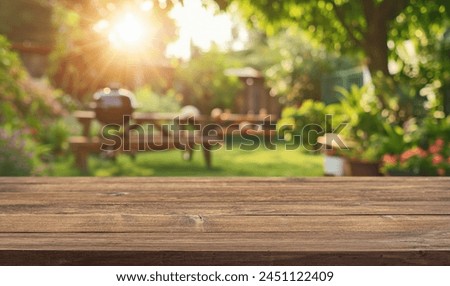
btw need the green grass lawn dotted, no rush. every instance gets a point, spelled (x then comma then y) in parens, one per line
(259, 162)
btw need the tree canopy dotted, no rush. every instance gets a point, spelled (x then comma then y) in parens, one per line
(369, 27)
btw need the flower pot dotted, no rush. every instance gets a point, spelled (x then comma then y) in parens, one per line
(360, 168)
(333, 165)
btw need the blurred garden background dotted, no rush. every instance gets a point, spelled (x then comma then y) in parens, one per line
(379, 67)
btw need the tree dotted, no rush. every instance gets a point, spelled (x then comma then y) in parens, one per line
(293, 64)
(362, 26)
(203, 82)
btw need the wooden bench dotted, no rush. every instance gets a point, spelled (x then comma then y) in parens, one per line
(225, 221)
(84, 145)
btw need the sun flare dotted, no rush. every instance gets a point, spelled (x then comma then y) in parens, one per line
(130, 30)
(202, 30)
(127, 32)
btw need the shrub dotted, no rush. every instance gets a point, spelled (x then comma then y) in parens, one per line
(204, 83)
(435, 160)
(26, 103)
(54, 136)
(311, 120)
(31, 106)
(15, 160)
(150, 101)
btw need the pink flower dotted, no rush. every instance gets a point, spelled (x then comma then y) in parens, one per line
(408, 154)
(441, 172)
(421, 153)
(439, 142)
(435, 148)
(437, 159)
(390, 159)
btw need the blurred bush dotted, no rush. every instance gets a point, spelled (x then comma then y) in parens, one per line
(203, 82)
(150, 101)
(427, 155)
(26, 103)
(309, 121)
(55, 137)
(29, 110)
(15, 159)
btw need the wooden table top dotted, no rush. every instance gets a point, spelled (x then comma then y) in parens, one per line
(225, 221)
(143, 117)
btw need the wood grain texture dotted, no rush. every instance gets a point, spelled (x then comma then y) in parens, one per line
(225, 221)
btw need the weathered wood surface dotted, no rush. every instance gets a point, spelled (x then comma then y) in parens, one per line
(225, 221)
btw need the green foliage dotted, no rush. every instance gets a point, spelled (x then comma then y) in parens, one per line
(29, 106)
(417, 40)
(311, 120)
(15, 159)
(363, 27)
(421, 63)
(22, 97)
(376, 132)
(299, 65)
(361, 107)
(425, 151)
(204, 83)
(431, 129)
(150, 101)
(293, 63)
(432, 161)
(370, 129)
(368, 126)
(11, 71)
(55, 136)
(317, 17)
(407, 102)
(375, 128)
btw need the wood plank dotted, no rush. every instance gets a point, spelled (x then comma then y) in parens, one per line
(261, 190)
(211, 190)
(129, 197)
(409, 224)
(333, 241)
(201, 186)
(143, 117)
(230, 221)
(234, 208)
(349, 181)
